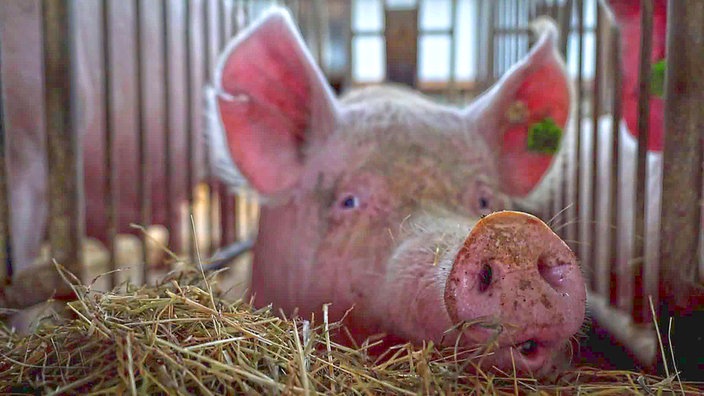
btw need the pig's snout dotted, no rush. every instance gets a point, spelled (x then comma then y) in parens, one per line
(515, 282)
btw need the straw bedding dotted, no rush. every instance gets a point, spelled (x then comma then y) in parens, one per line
(180, 337)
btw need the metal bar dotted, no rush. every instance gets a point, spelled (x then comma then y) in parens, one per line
(66, 217)
(490, 42)
(517, 23)
(452, 86)
(571, 182)
(564, 19)
(640, 341)
(227, 200)
(352, 35)
(211, 47)
(143, 190)
(498, 48)
(168, 129)
(318, 16)
(225, 255)
(579, 4)
(644, 277)
(226, 25)
(682, 162)
(188, 92)
(600, 280)
(618, 272)
(5, 235)
(478, 53)
(110, 179)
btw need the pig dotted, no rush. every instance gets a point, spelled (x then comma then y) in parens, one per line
(394, 209)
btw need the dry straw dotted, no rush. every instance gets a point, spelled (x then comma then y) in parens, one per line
(180, 338)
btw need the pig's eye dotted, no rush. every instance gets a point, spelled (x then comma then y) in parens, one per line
(483, 203)
(484, 199)
(350, 202)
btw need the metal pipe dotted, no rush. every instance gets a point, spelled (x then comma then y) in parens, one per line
(211, 47)
(600, 280)
(227, 200)
(452, 80)
(616, 294)
(682, 156)
(188, 92)
(143, 190)
(579, 4)
(5, 235)
(478, 53)
(570, 190)
(490, 43)
(168, 130)
(645, 283)
(66, 217)
(111, 197)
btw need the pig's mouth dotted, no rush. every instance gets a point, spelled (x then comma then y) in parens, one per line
(529, 352)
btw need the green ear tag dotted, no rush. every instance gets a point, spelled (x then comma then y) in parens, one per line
(544, 137)
(657, 78)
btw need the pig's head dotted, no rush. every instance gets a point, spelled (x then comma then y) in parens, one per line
(392, 204)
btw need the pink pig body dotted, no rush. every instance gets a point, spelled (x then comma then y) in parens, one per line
(384, 201)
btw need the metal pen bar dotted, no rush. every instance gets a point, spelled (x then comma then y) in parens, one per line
(65, 221)
(143, 190)
(496, 41)
(570, 189)
(5, 235)
(682, 156)
(517, 23)
(490, 43)
(211, 46)
(111, 197)
(564, 20)
(168, 130)
(227, 200)
(452, 83)
(618, 273)
(318, 14)
(478, 53)
(641, 308)
(579, 4)
(599, 282)
(188, 92)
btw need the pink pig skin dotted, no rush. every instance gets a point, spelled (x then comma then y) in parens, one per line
(375, 201)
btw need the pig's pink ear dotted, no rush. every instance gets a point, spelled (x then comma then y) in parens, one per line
(273, 101)
(523, 117)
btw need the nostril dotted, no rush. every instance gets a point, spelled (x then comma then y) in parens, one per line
(485, 276)
(553, 272)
